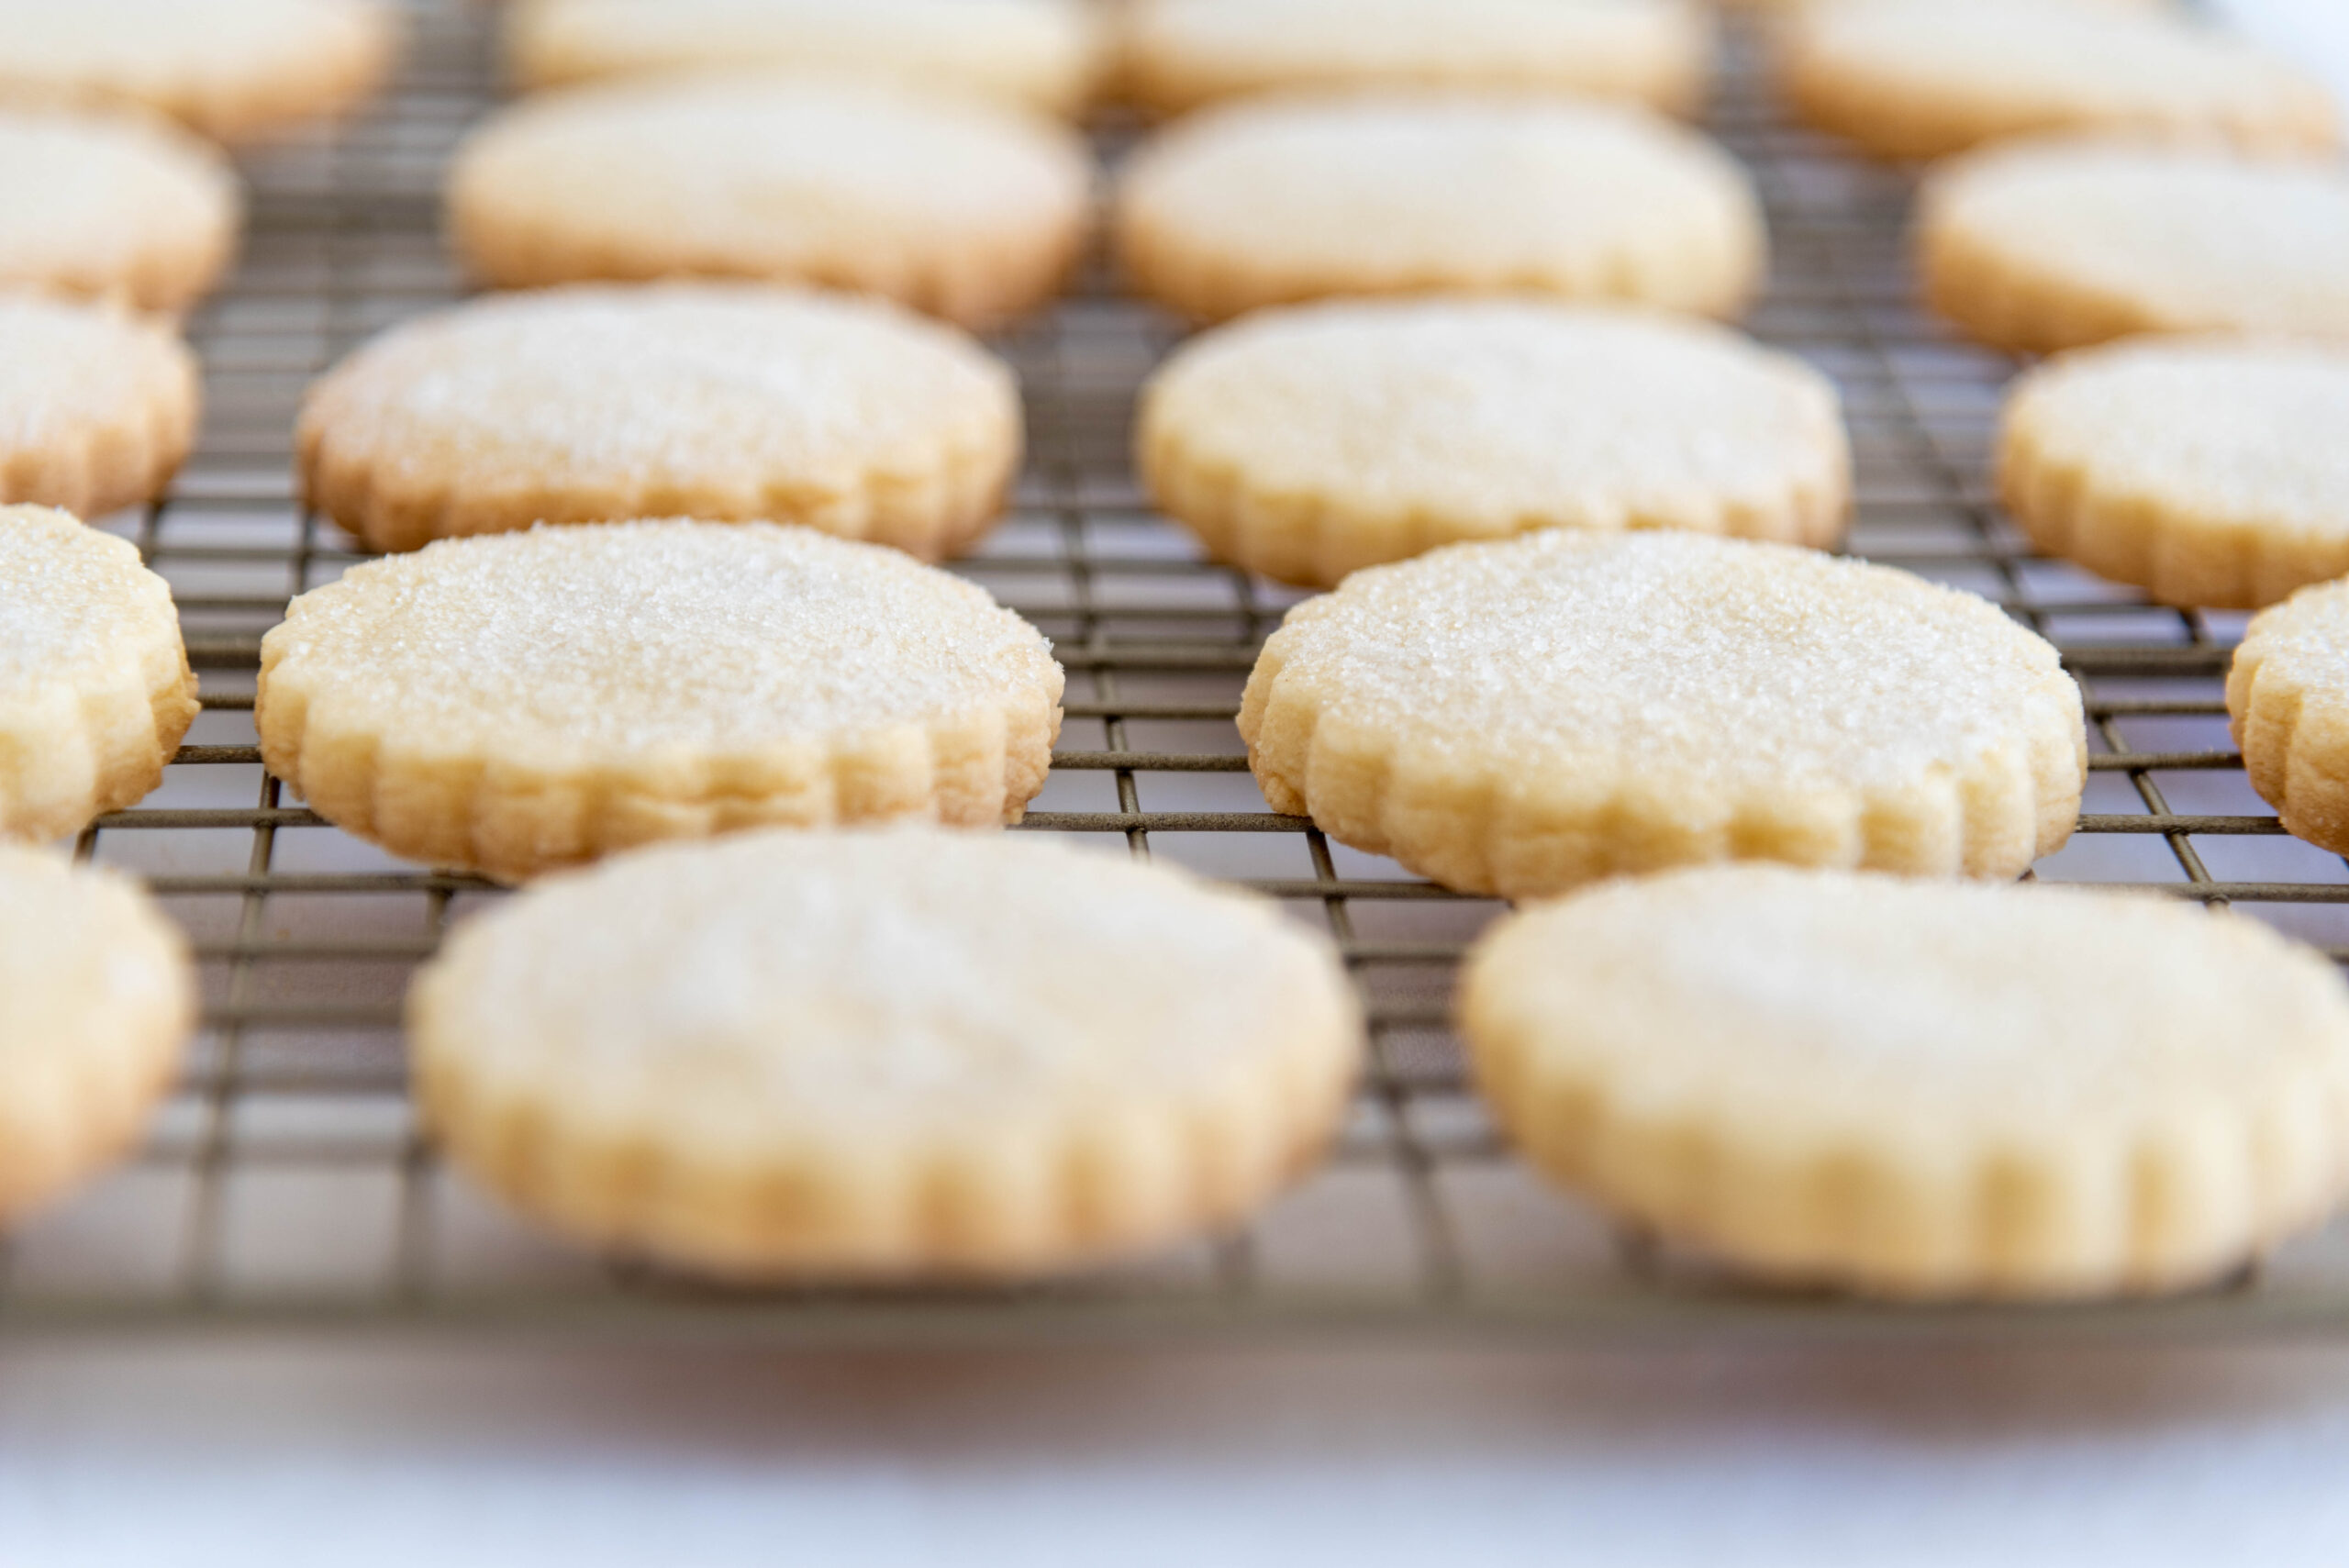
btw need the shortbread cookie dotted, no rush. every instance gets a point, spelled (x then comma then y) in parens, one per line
(2287, 696)
(883, 1055)
(1924, 77)
(519, 702)
(2057, 245)
(1044, 54)
(1922, 1090)
(1286, 199)
(721, 401)
(112, 207)
(958, 209)
(94, 685)
(233, 69)
(97, 407)
(1182, 53)
(2205, 471)
(97, 999)
(1519, 718)
(1308, 442)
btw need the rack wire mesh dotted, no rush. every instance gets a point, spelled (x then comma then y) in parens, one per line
(285, 1183)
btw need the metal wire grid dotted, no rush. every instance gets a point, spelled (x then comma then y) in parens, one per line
(286, 1183)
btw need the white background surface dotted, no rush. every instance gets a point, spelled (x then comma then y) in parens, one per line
(258, 1454)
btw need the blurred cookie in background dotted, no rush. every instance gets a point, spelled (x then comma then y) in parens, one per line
(1039, 54)
(1179, 54)
(963, 209)
(237, 70)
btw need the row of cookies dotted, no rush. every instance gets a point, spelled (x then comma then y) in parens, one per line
(1010, 1057)
(1908, 77)
(110, 178)
(1062, 57)
(1929, 835)
(527, 1117)
(976, 213)
(115, 202)
(2120, 173)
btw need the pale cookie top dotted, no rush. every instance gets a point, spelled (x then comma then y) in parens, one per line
(823, 176)
(868, 989)
(2189, 239)
(2302, 646)
(1671, 657)
(87, 964)
(1999, 67)
(2220, 430)
(225, 67)
(1497, 410)
(75, 606)
(585, 645)
(734, 392)
(68, 371)
(1043, 54)
(1808, 1003)
(1331, 193)
(95, 204)
(1184, 52)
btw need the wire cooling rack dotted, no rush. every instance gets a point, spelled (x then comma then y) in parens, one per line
(285, 1183)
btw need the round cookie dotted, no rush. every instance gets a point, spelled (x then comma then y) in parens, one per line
(1182, 53)
(1274, 201)
(721, 401)
(524, 702)
(97, 999)
(1922, 1090)
(1042, 54)
(1925, 78)
(1308, 442)
(94, 685)
(97, 407)
(883, 1055)
(2043, 246)
(1519, 718)
(2288, 699)
(233, 69)
(959, 209)
(113, 206)
(2207, 472)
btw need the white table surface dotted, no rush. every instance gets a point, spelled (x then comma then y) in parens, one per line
(198, 1457)
(255, 1453)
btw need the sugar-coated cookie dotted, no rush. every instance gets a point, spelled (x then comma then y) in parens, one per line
(2206, 471)
(233, 69)
(2287, 696)
(112, 207)
(1179, 54)
(720, 401)
(960, 208)
(94, 685)
(1924, 77)
(518, 703)
(2043, 245)
(1289, 198)
(1922, 1090)
(1520, 717)
(1044, 54)
(97, 406)
(97, 999)
(883, 1055)
(1308, 442)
